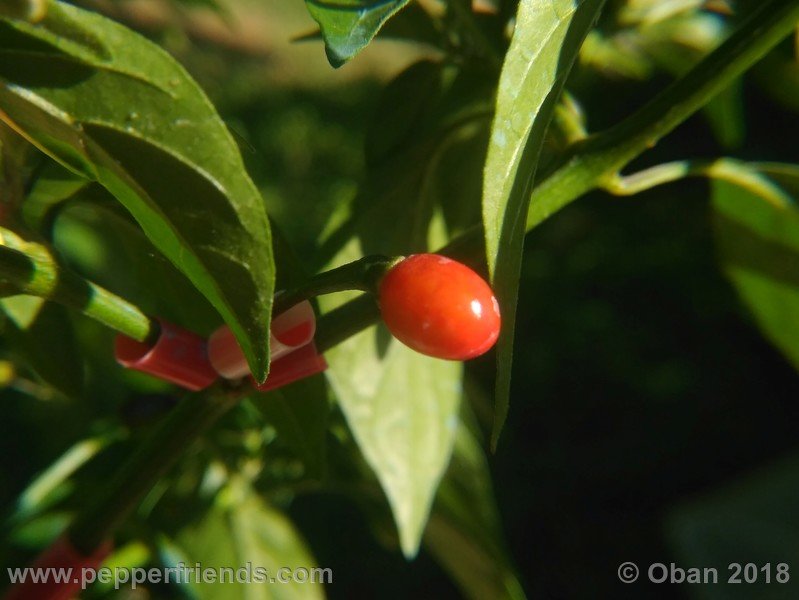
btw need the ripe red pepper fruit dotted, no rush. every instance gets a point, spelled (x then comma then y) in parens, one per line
(299, 364)
(291, 329)
(439, 307)
(178, 356)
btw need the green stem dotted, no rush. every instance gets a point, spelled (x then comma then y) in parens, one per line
(364, 274)
(723, 169)
(101, 515)
(602, 156)
(345, 321)
(33, 270)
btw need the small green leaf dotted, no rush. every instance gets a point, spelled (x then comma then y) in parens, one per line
(545, 44)
(255, 533)
(758, 245)
(349, 25)
(115, 108)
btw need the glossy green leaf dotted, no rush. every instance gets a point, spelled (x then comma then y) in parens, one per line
(249, 532)
(758, 245)
(115, 108)
(349, 25)
(464, 533)
(545, 43)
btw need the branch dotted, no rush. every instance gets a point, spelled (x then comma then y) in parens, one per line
(725, 169)
(599, 158)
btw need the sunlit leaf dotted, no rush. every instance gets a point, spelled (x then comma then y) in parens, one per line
(349, 25)
(402, 407)
(545, 43)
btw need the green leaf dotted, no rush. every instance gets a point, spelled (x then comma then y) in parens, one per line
(402, 409)
(758, 245)
(249, 532)
(299, 415)
(349, 25)
(115, 108)
(464, 532)
(545, 43)
(41, 333)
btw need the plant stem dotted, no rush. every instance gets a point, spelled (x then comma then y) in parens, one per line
(364, 274)
(32, 269)
(723, 169)
(601, 156)
(345, 321)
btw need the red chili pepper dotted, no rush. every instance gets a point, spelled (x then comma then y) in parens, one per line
(290, 330)
(178, 356)
(439, 307)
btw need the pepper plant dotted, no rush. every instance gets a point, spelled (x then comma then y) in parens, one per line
(129, 201)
